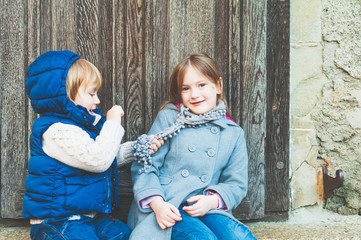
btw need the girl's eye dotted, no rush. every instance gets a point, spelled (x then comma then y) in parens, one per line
(202, 85)
(185, 89)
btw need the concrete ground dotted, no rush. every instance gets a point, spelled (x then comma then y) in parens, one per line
(307, 223)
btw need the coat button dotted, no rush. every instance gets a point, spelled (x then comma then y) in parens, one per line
(185, 173)
(211, 152)
(192, 148)
(204, 178)
(214, 130)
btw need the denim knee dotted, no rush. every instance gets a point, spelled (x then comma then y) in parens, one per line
(110, 228)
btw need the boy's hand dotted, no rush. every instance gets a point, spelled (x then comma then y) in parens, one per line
(115, 113)
(156, 145)
(166, 213)
(202, 206)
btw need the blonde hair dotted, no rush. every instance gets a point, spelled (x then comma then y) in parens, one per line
(205, 65)
(81, 71)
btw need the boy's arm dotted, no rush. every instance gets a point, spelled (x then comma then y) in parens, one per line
(125, 154)
(73, 146)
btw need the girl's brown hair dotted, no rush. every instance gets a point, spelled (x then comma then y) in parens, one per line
(205, 65)
(81, 71)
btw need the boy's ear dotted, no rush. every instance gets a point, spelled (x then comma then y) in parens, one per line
(220, 86)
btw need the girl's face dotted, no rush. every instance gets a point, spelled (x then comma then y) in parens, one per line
(87, 97)
(199, 94)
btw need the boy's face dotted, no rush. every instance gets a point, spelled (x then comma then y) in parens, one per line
(199, 94)
(87, 97)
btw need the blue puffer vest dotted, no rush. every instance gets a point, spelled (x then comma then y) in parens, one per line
(52, 188)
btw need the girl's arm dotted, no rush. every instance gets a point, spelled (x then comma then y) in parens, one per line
(73, 146)
(233, 183)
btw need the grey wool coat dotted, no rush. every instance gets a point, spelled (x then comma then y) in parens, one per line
(209, 157)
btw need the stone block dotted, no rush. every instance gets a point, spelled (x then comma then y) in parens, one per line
(306, 95)
(303, 148)
(302, 186)
(305, 20)
(306, 62)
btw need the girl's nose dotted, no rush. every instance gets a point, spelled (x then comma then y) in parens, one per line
(195, 93)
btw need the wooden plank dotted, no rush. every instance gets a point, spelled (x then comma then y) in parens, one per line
(119, 84)
(13, 106)
(277, 142)
(105, 53)
(56, 33)
(156, 58)
(135, 92)
(233, 85)
(63, 26)
(86, 22)
(253, 90)
(178, 32)
(191, 29)
(119, 54)
(33, 51)
(221, 39)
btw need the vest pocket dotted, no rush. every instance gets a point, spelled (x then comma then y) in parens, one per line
(86, 193)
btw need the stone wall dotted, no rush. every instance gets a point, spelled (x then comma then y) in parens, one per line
(325, 99)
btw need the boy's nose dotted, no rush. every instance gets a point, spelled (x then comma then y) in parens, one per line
(96, 100)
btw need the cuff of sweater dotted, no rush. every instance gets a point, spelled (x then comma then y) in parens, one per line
(126, 154)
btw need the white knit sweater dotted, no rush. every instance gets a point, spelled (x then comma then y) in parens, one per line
(74, 147)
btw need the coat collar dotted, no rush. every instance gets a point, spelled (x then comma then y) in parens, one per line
(223, 122)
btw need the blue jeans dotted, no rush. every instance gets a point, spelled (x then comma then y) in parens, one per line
(80, 227)
(209, 227)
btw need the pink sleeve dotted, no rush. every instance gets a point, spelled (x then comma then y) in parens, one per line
(144, 203)
(221, 204)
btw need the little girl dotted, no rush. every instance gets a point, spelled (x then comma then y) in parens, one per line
(72, 181)
(188, 189)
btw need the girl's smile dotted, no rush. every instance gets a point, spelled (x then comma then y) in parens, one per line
(199, 94)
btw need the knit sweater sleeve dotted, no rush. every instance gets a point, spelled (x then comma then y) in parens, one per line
(125, 154)
(73, 146)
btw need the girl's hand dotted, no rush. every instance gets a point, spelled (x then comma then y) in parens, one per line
(166, 213)
(202, 206)
(156, 145)
(115, 113)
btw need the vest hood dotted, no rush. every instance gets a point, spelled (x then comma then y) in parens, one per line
(45, 82)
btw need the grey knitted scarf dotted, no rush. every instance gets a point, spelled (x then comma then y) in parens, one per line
(185, 119)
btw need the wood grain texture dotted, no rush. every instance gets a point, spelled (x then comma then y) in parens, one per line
(13, 106)
(156, 57)
(104, 52)
(191, 29)
(277, 143)
(254, 86)
(33, 51)
(134, 81)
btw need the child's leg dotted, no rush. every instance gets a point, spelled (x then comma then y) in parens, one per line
(191, 228)
(75, 227)
(227, 228)
(109, 228)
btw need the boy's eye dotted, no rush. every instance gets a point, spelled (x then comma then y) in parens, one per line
(92, 94)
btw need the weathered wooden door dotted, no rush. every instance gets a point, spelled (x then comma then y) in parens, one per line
(135, 45)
